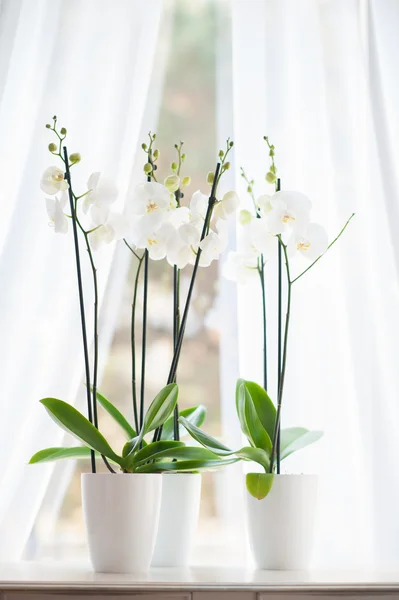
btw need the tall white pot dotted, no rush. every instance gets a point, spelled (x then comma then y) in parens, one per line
(121, 514)
(281, 526)
(181, 494)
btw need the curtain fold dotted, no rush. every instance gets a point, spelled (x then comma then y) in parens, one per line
(90, 63)
(317, 76)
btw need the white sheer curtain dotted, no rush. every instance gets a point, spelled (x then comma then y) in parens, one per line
(319, 77)
(90, 63)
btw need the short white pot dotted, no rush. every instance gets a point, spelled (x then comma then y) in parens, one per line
(281, 526)
(121, 514)
(181, 494)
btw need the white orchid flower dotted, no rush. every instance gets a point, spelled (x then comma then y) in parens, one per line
(213, 244)
(179, 252)
(261, 240)
(115, 228)
(198, 205)
(311, 243)
(157, 242)
(55, 210)
(227, 206)
(241, 267)
(264, 203)
(53, 181)
(152, 202)
(179, 216)
(102, 193)
(289, 210)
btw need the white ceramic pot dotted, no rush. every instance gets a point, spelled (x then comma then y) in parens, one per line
(181, 494)
(121, 514)
(281, 526)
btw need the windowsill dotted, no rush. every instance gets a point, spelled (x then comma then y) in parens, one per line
(67, 575)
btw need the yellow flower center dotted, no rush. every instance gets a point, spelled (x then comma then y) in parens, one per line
(152, 206)
(59, 176)
(151, 242)
(287, 218)
(303, 245)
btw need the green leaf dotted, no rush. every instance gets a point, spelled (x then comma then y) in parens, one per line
(160, 408)
(185, 466)
(256, 455)
(49, 454)
(131, 444)
(250, 422)
(296, 438)
(195, 415)
(264, 407)
(205, 440)
(72, 421)
(247, 453)
(74, 452)
(259, 484)
(151, 451)
(117, 416)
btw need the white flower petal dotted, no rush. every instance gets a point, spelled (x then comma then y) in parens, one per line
(230, 202)
(262, 239)
(199, 204)
(99, 214)
(240, 267)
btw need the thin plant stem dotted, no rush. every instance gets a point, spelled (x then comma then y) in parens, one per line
(261, 271)
(284, 358)
(81, 301)
(179, 342)
(133, 342)
(144, 339)
(95, 365)
(321, 255)
(279, 338)
(176, 326)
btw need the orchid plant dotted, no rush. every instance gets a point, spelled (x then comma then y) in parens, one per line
(279, 226)
(156, 226)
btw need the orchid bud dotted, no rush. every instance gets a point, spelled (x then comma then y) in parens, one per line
(270, 177)
(186, 181)
(48, 126)
(155, 154)
(231, 144)
(63, 131)
(226, 166)
(144, 146)
(52, 147)
(210, 177)
(273, 169)
(221, 153)
(245, 217)
(148, 168)
(249, 189)
(75, 158)
(271, 152)
(172, 182)
(183, 157)
(173, 166)
(154, 136)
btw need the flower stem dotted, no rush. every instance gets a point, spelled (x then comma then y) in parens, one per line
(179, 342)
(81, 301)
(279, 339)
(144, 340)
(133, 337)
(176, 326)
(95, 365)
(321, 255)
(261, 270)
(284, 358)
